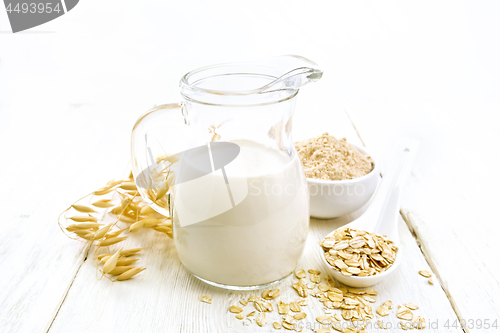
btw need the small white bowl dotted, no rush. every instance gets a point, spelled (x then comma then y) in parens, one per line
(334, 198)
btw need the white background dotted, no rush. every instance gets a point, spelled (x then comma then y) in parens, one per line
(411, 51)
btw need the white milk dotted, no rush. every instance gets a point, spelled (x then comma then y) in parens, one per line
(257, 240)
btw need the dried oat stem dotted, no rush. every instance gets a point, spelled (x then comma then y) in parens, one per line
(88, 229)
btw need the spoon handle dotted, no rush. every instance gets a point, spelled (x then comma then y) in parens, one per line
(384, 208)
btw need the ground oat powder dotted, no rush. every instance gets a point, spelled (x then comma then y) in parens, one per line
(327, 158)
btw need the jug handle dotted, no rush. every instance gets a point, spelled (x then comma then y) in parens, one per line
(159, 133)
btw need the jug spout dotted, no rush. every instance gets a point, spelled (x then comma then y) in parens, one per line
(298, 72)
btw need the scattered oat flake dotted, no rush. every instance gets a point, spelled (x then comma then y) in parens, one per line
(324, 286)
(404, 314)
(387, 304)
(300, 316)
(259, 306)
(303, 302)
(325, 320)
(295, 307)
(235, 309)
(315, 278)
(283, 308)
(287, 319)
(411, 306)
(300, 273)
(268, 306)
(301, 288)
(369, 299)
(381, 324)
(240, 316)
(276, 325)
(265, 294)
(357, 291)
(426, 274)
(274, 293)
(206, 299)
(382, 311)
(261, 320)
(430, 281)
(420, 323)
(244, 302)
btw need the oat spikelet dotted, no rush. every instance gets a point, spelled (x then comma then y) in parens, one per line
(72, 228)
(111, 241)
(130, 273)
(120, 270)
(102, 255)
(104, 259)
(163, 228)
(150, 222)
(127, 219)
(89, 236)
(128, 186)
(146, 210)
(126, 261)
(111, 263)
(130, 252)
(115, 233)
(83, 218)
(85, 225)
(136, 226)
(161, 193)
(103, 203)
(83, 233)
(103, 191)
(102, 232)
(83, 209)
(130, 209)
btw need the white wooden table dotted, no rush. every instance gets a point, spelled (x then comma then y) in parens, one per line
(70, 91)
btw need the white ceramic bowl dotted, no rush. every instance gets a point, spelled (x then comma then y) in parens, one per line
(334, 198)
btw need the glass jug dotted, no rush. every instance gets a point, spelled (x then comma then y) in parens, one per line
(222, 165)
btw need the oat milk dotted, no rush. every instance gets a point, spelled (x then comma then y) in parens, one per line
(253, 239)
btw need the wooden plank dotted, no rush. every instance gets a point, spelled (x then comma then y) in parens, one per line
(46, 169)
(451, 197)
(38, 268)
(166, 296)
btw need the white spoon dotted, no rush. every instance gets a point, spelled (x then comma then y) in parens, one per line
(382, 215)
